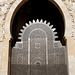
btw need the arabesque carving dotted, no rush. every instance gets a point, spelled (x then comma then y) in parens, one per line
(71, 9)
(38, 53)
(5, 5)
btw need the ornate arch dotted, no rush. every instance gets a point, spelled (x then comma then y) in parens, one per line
(8, 23)
(17, 4)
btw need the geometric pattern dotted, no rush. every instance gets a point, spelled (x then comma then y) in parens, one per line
(38, 53)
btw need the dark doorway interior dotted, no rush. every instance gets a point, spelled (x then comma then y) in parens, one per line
(38, 9)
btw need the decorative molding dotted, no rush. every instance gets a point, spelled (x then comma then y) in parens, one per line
(71, 1)
(5, 5)
(71, 9)
(1, 33)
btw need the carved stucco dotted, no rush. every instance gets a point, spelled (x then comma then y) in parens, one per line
(5, 5)
(71, 9)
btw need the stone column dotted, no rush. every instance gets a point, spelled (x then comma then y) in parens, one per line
(71, 55)
(5, 56)
(0, 55)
